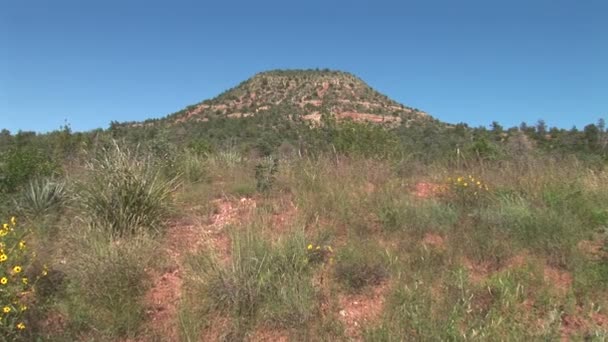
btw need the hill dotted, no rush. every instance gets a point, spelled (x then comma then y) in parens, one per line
(306, 95)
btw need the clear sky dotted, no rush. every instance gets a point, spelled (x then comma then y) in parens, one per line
(90, 62)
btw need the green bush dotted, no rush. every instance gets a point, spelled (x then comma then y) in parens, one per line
(265, 173)
(19, 165)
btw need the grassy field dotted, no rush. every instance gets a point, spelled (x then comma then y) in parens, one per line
(127, 247)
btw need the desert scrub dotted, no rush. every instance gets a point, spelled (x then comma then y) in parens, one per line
(107, 280)
(412, 215)
(19, 165)
(265, 173)
(17, 281)
(263, 282)
(361, 264)
(193, 167)
(124, 192)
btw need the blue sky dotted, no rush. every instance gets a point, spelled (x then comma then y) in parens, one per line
(90, 62)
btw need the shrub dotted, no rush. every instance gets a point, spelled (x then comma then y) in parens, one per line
(124, 192)
(19, 165)
(265, 173)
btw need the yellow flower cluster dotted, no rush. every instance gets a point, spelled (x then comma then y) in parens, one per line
(15, 287)
(468, 187)
(319, 254)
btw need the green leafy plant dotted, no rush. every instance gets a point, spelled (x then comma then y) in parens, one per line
(265, 173)
(19, 165)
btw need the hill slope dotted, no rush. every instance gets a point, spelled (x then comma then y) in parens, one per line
(304, 94)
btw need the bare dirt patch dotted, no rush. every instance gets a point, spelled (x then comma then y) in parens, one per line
(358, 310)
(428, 190)
(559, 279)
(434, 240)
(184, 237)
(581, 323)
(594, 248)
(366, 117)
(478, 271)
(163, 298)
(269, 335)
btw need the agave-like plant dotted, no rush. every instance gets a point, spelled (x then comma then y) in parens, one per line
(43, 195)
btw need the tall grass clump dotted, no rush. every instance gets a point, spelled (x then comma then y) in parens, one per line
(42, 196)
(402, 213)
(361, 264)
(263, 283)
(193, 167)
(107, 279)
(226, 158)
(124, 192)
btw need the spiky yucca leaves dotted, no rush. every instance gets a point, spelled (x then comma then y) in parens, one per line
(41, 196)
(125, 192)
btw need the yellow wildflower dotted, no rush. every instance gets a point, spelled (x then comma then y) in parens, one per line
(3, 280)
(6, 309)
(5, 226)
(21, 244)
(309, 247)
(24, 280)
(17, 269)
(23, 308)
(3, 232)
(20, 326)
(3, 257)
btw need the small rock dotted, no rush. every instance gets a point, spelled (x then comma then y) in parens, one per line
(343, 313)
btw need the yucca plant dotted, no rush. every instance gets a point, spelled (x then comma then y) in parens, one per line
(125, 192)
(229, 157)
(193, 167)
(42, 196)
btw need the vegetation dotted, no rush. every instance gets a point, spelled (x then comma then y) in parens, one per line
(268, 227)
